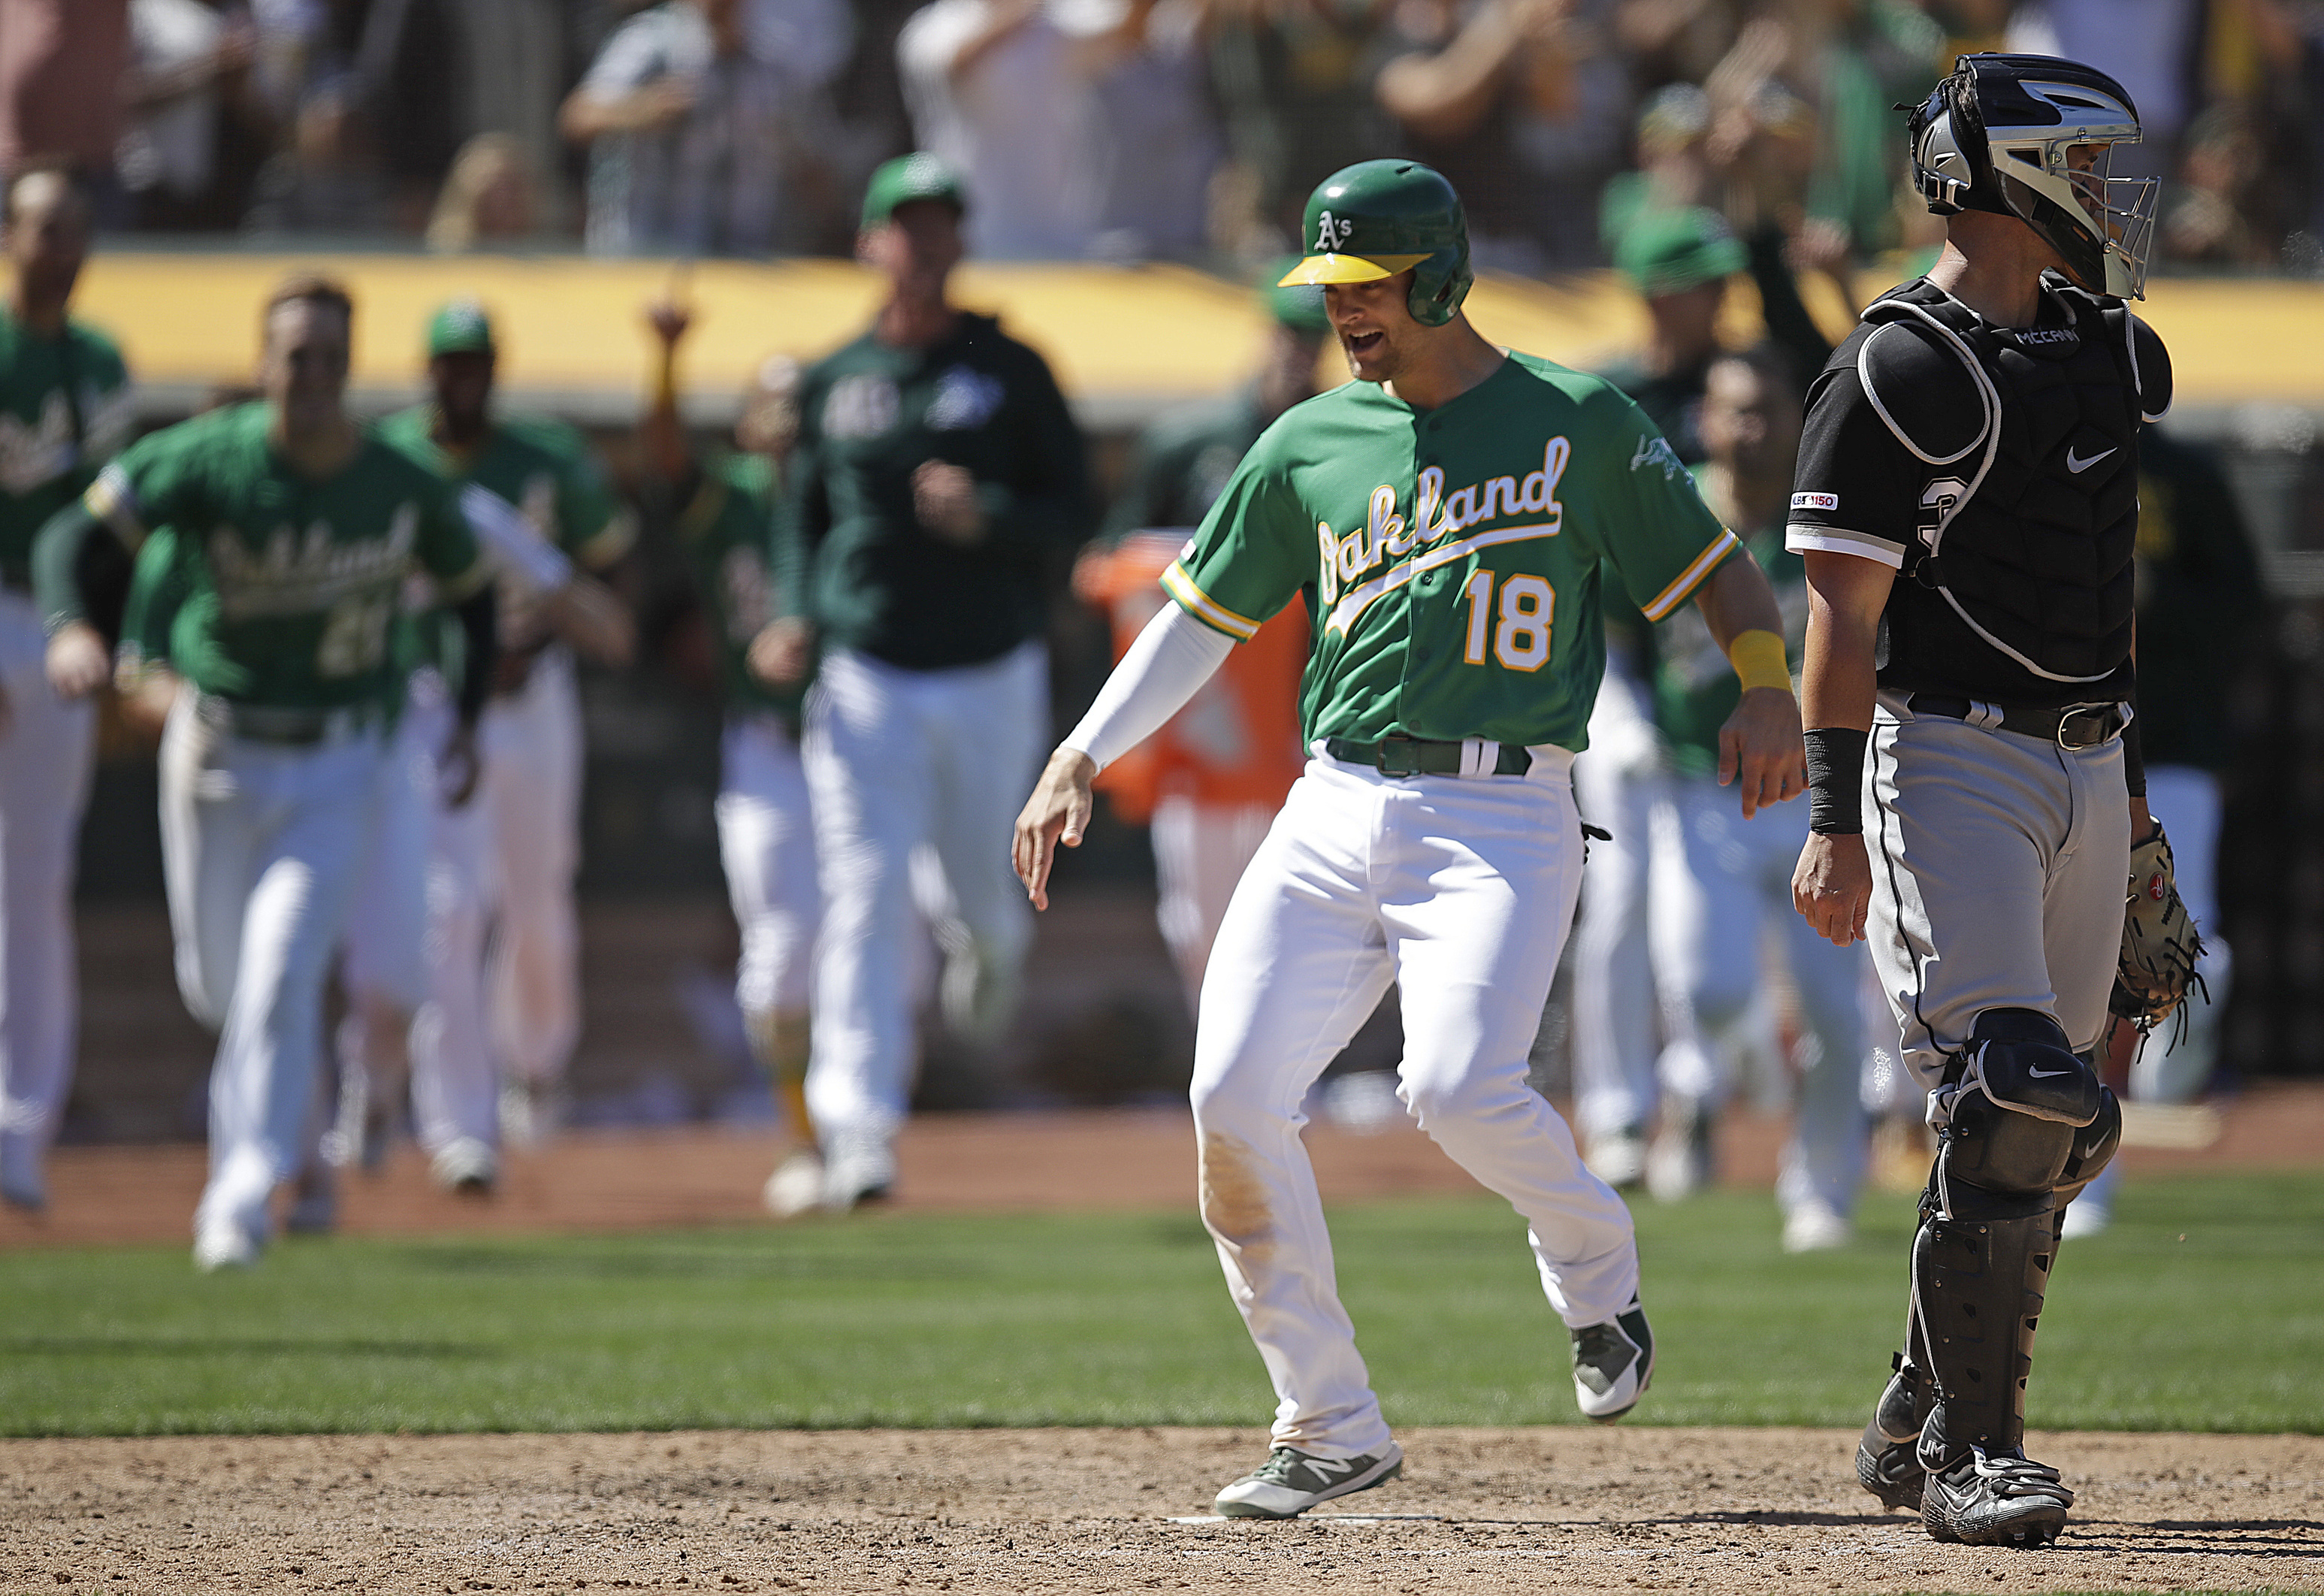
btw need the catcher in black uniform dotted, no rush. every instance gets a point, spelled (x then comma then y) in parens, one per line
(1967, 508)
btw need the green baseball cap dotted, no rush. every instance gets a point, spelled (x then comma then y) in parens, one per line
(460, 327)
(1299, 306)
(1671, 251)
(907, 178)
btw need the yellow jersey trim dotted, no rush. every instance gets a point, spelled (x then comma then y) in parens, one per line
(1689, 579)
(1204, 607)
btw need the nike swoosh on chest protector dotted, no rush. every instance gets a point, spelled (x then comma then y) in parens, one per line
(2077, 464)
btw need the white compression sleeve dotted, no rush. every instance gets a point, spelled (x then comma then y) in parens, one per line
(510, 541)
(1172, 657)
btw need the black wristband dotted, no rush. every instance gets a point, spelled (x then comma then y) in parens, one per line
(2133, 758)
(1836, 780)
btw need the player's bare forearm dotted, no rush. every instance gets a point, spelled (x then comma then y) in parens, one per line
(1832, 886)
(1760, 750)
(660, 433)
(1846, 595)
(1058, 812)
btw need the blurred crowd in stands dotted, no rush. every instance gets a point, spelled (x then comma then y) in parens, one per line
(1119, 130)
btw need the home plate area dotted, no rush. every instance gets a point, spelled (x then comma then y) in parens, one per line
(1078, 1511)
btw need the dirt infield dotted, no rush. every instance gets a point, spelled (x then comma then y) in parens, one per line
(1091, 1511)
(1129, 1158)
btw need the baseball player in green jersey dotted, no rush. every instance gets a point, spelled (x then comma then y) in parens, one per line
(296, 532)
(1717, 879)
(514, 855)
(937, 471)
(722, 513)
(1450, 517)
(64, 407)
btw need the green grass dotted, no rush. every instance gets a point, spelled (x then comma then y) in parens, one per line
(1121, 1320)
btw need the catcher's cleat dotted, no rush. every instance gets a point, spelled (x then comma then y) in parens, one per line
(1613, 1364)
(1888, 1458)
(1995, 1500)
(1890, 1470)
(1290, 1482)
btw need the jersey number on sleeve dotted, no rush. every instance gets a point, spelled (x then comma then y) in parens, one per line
(1528, 605)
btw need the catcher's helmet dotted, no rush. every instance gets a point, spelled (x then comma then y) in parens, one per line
(1995, 136)
(1379, 217)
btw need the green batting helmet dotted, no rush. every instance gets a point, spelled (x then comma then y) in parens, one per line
(1379, 217)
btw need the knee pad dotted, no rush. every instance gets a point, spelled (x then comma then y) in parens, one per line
(2016, 1100)
(2095, 1145)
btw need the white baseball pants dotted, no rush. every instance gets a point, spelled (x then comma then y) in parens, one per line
(1200, 852)
(766, 842)
(262, 846)
(1613, 977)
(531, 743)
(1461, 891)
(1718, 879)
(45, 749)
(387, 927)
(1997, 869)
(455, 1080)
(895, 759)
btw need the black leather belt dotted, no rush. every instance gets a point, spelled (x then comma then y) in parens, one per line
(2071, 726)
(1421, 756)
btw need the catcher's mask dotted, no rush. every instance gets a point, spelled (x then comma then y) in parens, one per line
(2033, 136)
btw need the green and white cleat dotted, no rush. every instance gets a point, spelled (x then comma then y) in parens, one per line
(1290, 1482)
(1613, 1364)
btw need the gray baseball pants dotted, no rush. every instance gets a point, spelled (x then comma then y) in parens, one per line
(1999, 863)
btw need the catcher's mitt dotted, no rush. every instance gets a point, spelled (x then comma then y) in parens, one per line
(2160, 943)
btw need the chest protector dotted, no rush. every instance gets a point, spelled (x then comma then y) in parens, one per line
(2029, 509)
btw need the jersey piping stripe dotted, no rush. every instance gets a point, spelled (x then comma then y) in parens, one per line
(1684, 583)
(114, 502)
(1344, 613)
(1203, 607)
(1803, 538)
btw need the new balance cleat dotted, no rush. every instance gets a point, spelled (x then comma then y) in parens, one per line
(1613, 1364)
(223, 1245)
(1995, 1500)
(1290, 1482)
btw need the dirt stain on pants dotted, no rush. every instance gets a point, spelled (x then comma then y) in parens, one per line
(1234, 1197)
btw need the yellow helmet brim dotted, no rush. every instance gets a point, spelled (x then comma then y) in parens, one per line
(1337, 268)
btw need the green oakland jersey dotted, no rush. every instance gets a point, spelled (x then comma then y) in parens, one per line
(866, 572)
(65, 408)
(545, 468)
(549, 472)
(1694, 683)
(1451, 558)
(285, 586)
(727, 532)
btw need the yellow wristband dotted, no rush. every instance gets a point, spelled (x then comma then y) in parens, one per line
(1757, 657)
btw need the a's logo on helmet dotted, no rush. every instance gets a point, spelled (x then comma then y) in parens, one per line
(1331, 232)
